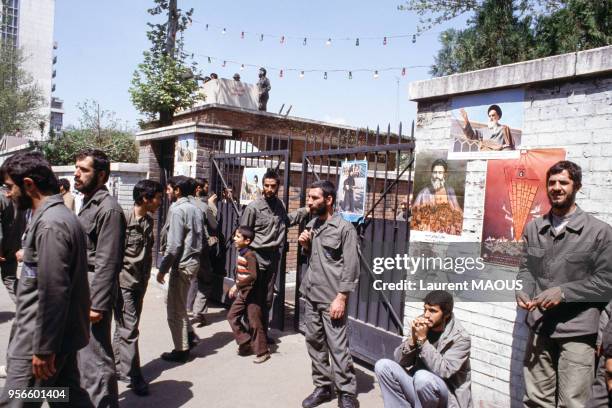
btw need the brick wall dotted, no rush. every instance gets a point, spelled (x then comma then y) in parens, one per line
(573, 114)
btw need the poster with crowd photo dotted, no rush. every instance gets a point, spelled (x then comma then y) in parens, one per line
(487, 125)
(439, 186)
(251, 185)
(515, 194)
(185, 156)
(351, 190)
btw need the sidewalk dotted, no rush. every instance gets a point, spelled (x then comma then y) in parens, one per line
(216, 377)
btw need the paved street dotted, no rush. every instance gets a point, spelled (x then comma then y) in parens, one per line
(216, 377)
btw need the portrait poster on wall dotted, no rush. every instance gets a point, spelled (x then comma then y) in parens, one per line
(251, 185)
(487, 125)
(439, 186)
(185, 156)
(515, 194)
(351, 190)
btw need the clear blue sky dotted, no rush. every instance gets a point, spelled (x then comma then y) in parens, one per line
(101, 43)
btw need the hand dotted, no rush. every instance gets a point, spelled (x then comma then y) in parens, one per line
(232, 292)
(464, 115)
(549, 299)
(95, 316)
(43, 367)
(305, 238)
(160, 278)
(421, 327)
(338, 307)
(609, 373)
(212, 199)
(523, 301)
(19, 255)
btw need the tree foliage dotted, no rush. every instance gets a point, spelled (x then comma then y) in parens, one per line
(99, 129)
(162, 83)
(506, 31)
(20, 96)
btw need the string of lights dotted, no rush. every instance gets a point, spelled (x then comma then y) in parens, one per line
(301, 72)
(309, 39)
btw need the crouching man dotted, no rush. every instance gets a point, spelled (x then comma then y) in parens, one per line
(432, 367)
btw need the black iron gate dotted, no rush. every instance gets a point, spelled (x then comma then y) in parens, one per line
(227, 165)
(375, 317)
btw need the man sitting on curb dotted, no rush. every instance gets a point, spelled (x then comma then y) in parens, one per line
(432, 367)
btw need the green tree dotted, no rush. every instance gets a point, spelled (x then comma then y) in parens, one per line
(162, 83)
(506, 31)
(99, 129)
(20, 97)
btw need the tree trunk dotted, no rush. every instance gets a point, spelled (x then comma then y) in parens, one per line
(172, 27)
(165, 117)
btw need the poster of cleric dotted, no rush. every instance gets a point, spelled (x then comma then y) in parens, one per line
(351, 190)
(487, 126)
(439, 186)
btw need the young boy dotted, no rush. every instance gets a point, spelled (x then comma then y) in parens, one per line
(249, 292)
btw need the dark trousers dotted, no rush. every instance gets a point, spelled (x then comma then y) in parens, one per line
(267, 271)
(97, 365)
(19, 375)
(327, 340)
(8, 270)
(249, 302)
(204, 283)
(125, 342)
(599, 391)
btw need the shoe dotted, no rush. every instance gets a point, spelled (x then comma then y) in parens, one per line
(261, 359)
(201, 319)
(2, 371)
(192, 339)
(245, 349)
(176, 356)
(139, 387)
(318, 397)
(347, 401)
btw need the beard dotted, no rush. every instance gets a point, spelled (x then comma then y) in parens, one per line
(87, 187)
(437, 183)
(23, 202)
(492, 124)
(318, 210)
(565, 204)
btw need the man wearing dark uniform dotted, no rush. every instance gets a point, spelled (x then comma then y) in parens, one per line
(11, 231)
(52, 319)
(104, 224)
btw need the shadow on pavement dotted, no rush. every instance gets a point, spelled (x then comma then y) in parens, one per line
(6, 316)
(365, 381)
(167, 394)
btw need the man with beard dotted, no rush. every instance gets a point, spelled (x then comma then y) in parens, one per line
(432, 367)
(104, 224)
(13, 224)
(182, 247)
(438, 192)
(52, 318)
(263, 87)
(268, 217)
(567, 281)
(495, 136)
(331, 245)
(133, 281)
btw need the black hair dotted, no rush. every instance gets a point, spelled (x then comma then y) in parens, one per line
(200, 182)
(31, 165)
(64, 182)
(101, 162)
(496, 108)
(440, 298)
(327, 187)
(574, 171)
(183, 183)
(271, 174)
(263, 70)
(440, 162)
(146, 189)
(246, 232)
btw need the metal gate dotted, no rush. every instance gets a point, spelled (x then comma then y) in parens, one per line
(228, 162)
(375, 317)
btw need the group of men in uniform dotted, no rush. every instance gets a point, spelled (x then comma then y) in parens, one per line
(80, 270)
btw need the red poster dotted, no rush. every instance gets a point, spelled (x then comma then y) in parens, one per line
(515, 194)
